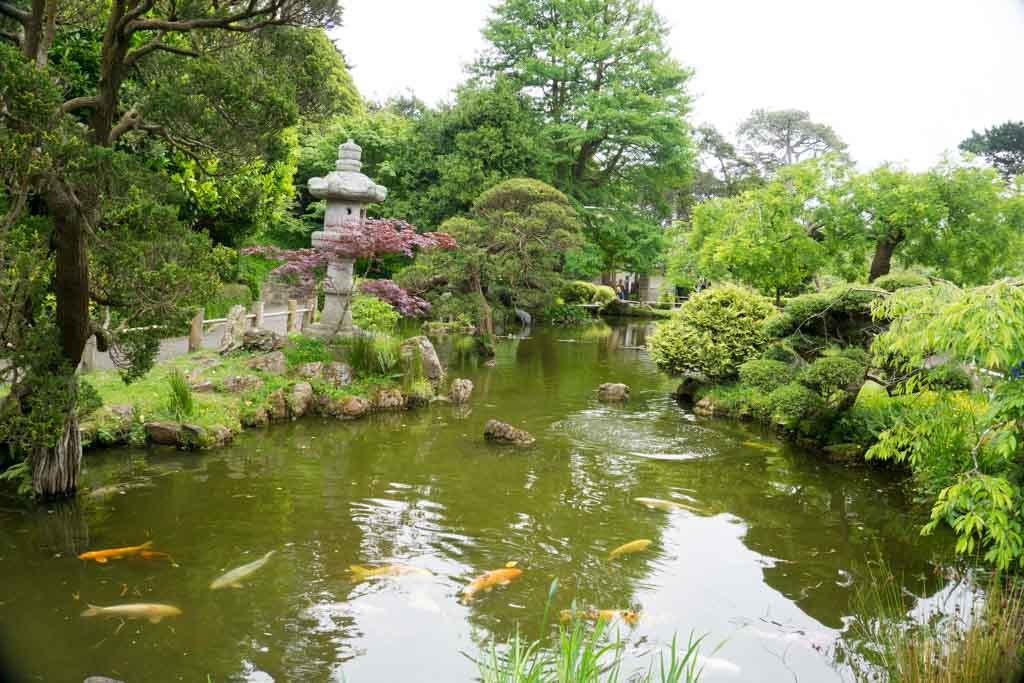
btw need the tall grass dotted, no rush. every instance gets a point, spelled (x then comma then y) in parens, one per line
(978, 640)
(371, 354)
(180, 403)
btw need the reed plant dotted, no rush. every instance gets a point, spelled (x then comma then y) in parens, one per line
(180, 403)
(583, 653)
(979, 640)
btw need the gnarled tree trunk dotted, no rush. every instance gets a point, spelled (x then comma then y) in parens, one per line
(55, 469)
(882, 260)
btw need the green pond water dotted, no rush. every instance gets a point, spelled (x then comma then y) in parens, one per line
(771, 568)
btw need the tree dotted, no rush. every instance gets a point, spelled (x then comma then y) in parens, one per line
(765, 237)
(613, 103)
(1002, 146)
(513, 239)
(154, 80)
(773, 139)
(947, 219)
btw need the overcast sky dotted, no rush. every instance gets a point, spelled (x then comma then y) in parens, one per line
(899, 80)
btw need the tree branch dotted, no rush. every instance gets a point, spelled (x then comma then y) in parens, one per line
(227, 23)
(128, 121)
(13, 37)
(13, 12)
(71, 105)
(135, 13)
(155, 44)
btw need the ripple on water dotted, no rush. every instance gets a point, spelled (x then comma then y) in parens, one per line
(645, 433)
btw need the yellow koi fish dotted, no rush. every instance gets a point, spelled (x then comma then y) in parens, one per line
(637, 546)
(488, 580)
(666, 505)
(153, 612)
(155, 555)
(627, 616)
(758, 444)
(102, 556)
(362, 573)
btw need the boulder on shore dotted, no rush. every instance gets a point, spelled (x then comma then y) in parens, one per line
(234, 330)
(390, 399)
(277, 405)
(274, 362)
(162, 433)
(236, 384)
(300, 398)
(506, 433)
(460, 390)
(613, 392)
(431, 364)
(355, 406)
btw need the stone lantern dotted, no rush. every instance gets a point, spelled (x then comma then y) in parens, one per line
(347, 192)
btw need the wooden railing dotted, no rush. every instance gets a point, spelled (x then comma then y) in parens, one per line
(297, 319)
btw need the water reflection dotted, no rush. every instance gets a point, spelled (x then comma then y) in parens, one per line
(771, 566)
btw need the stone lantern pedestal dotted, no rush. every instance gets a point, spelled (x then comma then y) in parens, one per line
(347, 192)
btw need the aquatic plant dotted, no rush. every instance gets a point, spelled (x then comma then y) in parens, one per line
(584, 654)
(371, 354)
(179, 396)
(978, 640)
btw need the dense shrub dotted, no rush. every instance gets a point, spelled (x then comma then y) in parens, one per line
(736, 400)
(840, 313)
(856, 353)
(782, 353)
(832, 373)
(766, 375)
(579, 292)
(603, 294)
(374, 315)
(714, 332)
(894, 281)
(793, 404)
(563, 314)
(952, 377)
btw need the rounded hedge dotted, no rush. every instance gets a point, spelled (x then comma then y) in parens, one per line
(894, 281)
(793, 402)
(832, 373)
(603, 294)
(766, 375)
(714, 332)
(580, 292)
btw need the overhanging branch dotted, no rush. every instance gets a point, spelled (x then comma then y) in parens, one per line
(9, 10)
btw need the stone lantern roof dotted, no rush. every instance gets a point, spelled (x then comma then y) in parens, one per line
(346, 183)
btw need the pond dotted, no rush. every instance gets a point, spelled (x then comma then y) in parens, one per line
(768, 568)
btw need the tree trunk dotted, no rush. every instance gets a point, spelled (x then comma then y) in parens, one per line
(486, 320)
(882, 260)
(55, 469)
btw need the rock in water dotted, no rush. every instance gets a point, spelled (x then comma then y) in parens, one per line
(499, 431)
(355, 406)
(613, 392)
(460, 390)
(234, 330)
(432, 368)
(300, 398)
(390, 399)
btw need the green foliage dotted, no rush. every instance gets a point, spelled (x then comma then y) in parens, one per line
(227, 296)
(1002, 146)
(899, 280)
(782, 353)
(373, 315)
(737, 400)
(857, 354)
(179, 395)
(580, 292)
(794, 406)
(775, 139)
(603, 294)
(565, 315)
(303, 349)
(371, 354)
(832, 374)
(760, 237)
(840, 313)
(715, 331)
(766, 375)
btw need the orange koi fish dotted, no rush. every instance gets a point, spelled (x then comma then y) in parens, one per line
(155, 555)
(627, 616)
(488, 580)
(102, 556)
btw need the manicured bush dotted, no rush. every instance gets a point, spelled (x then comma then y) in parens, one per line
(832, 373)
(901, 280)
(563, 314)
(766, 375)
(736, 400)
(842, 313)
(603, 294)
(714, 332)
(579, 292)
(793, 403)
(782, 353)
(374, 315)
(856, 353)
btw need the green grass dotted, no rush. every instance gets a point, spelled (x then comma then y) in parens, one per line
(179, 399)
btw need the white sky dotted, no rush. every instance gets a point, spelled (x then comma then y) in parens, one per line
(899, 80)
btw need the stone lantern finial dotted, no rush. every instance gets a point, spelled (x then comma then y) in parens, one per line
(349, 155)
